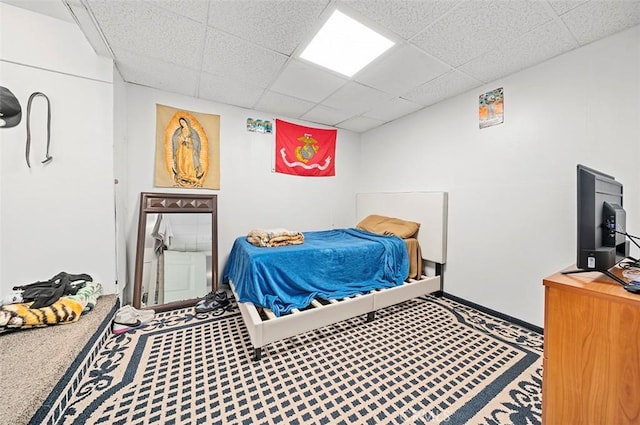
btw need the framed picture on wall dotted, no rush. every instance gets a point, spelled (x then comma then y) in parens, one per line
(491, 108)
(187, 149)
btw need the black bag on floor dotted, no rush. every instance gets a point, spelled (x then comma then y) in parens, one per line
(45, 293)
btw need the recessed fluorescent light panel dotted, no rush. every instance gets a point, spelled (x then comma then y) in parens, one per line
(345, 45)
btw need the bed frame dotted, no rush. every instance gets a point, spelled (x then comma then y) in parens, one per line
(427, 208)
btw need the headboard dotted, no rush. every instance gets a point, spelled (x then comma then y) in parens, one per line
(427, 208)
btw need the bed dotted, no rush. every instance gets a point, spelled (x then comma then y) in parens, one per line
(268, 321)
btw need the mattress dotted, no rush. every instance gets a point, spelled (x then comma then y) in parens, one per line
(330, 264)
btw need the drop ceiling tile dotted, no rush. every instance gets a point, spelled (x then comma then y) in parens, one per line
(612, 16)
(360, 124)
(475, 27)
(192, 9)
(155, 73)
(404, 68)
(534, 47)
(138, 26)
(281, 104)
(227, 91)
(448, 85)
(277, 25)
(405, 18)
(306, 82)
(563, 6)
(355, 98)
(393, 109)
(325, 115)
(231, 56)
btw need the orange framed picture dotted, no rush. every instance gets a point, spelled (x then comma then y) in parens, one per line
(187, 149)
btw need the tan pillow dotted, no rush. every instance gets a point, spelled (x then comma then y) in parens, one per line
(383, 225)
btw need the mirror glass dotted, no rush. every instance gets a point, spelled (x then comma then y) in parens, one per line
(176, 258)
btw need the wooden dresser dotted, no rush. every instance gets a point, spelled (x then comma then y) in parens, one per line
(591, 369)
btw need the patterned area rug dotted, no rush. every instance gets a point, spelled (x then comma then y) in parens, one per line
(428, 360)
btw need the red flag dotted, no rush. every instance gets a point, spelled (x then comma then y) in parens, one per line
(305, 151)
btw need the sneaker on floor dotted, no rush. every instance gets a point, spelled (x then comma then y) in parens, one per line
(120, 328)
(144, 315)
(213, 300)
(128, 318)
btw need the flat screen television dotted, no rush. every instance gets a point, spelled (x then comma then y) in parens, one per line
(601, 220)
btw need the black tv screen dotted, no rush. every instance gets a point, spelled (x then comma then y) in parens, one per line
(601, 242)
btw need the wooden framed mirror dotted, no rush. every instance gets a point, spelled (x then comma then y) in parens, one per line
(176, 251)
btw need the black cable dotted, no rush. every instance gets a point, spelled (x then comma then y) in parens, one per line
(631, 237)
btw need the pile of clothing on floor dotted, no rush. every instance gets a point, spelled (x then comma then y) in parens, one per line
(274, 237)
(61, 299)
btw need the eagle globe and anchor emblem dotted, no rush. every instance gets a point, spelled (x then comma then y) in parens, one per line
(306, 152)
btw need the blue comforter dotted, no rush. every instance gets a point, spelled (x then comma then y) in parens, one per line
(329, 264)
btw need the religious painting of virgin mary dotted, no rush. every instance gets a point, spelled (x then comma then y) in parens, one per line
(187, 149)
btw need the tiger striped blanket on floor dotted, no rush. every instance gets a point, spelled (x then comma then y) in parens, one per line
(67, 309)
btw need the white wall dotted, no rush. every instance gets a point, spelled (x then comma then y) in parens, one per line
(511, 187)
(250, 195)
(56, 217)
(120, 141)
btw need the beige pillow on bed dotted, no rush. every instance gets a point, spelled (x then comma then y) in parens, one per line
(388, 226)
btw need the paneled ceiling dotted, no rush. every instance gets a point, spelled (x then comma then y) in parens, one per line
(245, 53)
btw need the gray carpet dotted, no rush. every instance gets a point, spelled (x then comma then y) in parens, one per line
(425, 361)
(33, 361)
